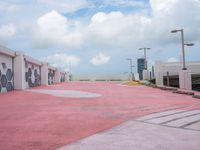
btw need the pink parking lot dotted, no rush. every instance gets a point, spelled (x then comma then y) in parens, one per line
(54, 116)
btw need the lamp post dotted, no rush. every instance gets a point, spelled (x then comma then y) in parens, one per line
(145, 56)
(131, 67)
(183, 46)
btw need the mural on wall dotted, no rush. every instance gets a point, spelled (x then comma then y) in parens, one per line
(6, 75)
(51, 76)
(62, 78)
(32, 75)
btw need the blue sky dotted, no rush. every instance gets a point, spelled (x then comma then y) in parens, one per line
(96, 36)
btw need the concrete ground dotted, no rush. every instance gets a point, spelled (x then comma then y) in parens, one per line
(169, 130)
(84, 115)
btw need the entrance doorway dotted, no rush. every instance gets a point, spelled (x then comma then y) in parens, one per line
(173, 81)
(196, 82)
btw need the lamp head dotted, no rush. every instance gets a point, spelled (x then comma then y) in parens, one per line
(179, 30)
(174, 31)
(190, 44)
(144, 48)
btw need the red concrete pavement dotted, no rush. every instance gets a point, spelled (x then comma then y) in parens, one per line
(32, 121)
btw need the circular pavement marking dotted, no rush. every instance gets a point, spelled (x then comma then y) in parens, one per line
(67, 93)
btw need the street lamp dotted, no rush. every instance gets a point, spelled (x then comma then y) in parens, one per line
(183, 46)
(131, 67)
(145, 56)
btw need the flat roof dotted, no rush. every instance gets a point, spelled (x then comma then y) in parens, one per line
(32, 60)
(6, 51)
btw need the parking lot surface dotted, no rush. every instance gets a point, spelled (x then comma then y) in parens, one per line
(59, 116)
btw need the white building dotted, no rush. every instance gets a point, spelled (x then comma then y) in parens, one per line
(18, 71)
(171, 73)
(102, 77)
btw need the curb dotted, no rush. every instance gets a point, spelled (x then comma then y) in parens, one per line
(184, 92)
(196, 96)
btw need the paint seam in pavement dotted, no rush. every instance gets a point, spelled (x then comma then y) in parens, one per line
(191, 123)
(170, 108)
(167, 126)
(179, 118)
(168, 114)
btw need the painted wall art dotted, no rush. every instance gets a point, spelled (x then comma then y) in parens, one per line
(6, 74)
(51, 76)
(32, 75)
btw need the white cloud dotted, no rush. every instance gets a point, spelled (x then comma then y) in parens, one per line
(172, 14)
(100, 59)
(124, 3)
(116, 29)
(55, 30)
(66, 5)
(6, 32)
(62, 61)
(172, 59)
(120, 32)
(8, 7)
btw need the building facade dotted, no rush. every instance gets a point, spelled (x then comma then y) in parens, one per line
(140, 67)
(18, 71)
(32, 72)
(168, 73)
(6, 70)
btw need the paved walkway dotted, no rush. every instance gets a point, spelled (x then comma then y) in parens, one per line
(51, 117)
(168, 130)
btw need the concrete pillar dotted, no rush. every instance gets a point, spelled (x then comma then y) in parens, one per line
(57, 76)
(67, 76)
(137, 76)
(159, 73)
(19, 71)
(159, 79)
(185, 79)
(44, 73)
(145, 75)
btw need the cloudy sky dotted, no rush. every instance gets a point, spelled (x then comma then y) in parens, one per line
(96, 36)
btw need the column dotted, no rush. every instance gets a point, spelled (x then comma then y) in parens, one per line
(185, 79)
(44, 73)
(57, 76)
(19, 71)
(145, 75)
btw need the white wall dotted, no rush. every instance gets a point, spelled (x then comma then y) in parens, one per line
(32, 75)
(161, 69)
(6, 74)
(21, 71)
(123, 77)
